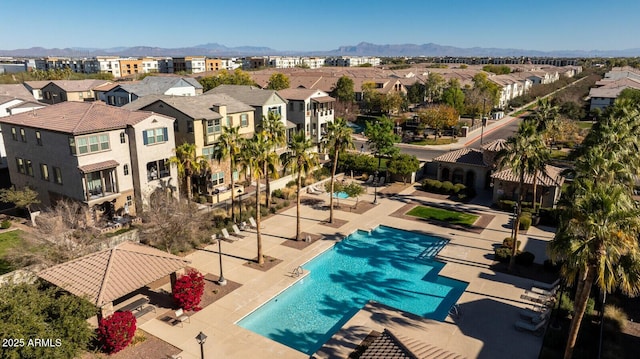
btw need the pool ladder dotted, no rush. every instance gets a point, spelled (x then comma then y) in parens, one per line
(298, 271)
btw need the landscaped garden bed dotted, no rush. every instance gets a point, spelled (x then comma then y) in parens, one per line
(444, 215)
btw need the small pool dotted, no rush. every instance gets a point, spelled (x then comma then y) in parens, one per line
(341, 195)
(388, 265)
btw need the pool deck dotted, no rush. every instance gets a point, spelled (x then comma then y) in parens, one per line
(489, 306)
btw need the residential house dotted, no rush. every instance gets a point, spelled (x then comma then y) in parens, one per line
(510, 87)
(263, 101)
(70, 90)
(10, 104)
(152, 85)
(199, 120)
(548, 186)
(311, 111)
(35, 87)
(608, 91)
(108, 158)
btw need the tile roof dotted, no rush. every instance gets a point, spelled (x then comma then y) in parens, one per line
(249, 95)
(495, 146)
(157, 85)
(552, 177)
(77, 118)
(79, 85)
(107, 275)
(106, 87)
(323, 99)
(196, 107)
(36, 85)
(16, 91)
(470, 156)
(296, 93)
(392, 346)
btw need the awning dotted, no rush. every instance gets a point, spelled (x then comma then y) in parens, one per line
(291, 125)
(323, 99)
(98, 166)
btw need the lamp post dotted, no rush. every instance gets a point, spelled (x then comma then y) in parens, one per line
(239, 204)
(375, 188)
(201, 338)
(484, 120)
(221, 280)
(513, 222)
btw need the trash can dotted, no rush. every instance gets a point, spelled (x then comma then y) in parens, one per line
(463, 131)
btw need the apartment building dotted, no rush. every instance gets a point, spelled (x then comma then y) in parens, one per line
(310, 110)
(106, 157)
(189, 64)
(199, 120)
(350, 61)
(130, 66)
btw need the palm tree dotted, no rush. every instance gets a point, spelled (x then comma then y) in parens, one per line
(546, 116)
(189, 164)
(524, 154)
(338, 138)
(300, 160)
(276, 135)
(228, 147)
(254, 153)
(598, 244)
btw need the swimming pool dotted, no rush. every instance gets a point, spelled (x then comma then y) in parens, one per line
(341, 195)
(390, 266)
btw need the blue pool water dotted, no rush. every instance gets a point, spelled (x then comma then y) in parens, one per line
(390, 266)
(341, 195)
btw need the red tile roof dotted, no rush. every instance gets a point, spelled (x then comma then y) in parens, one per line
(391, 346)
(98, 166)
(107, 275)
(469, 156)
(552, 177)
(78, 118)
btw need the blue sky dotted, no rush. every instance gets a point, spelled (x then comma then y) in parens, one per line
(302, 25)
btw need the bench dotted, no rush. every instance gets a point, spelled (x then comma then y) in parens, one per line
(136, 305)
(145, 310)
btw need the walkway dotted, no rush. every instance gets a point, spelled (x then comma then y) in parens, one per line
(490, 305)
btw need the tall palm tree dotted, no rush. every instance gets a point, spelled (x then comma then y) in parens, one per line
(524, 154)
(275, 131)
(189, 164)
(338, 139)
(254, 153)
(598, 244)
(547, 117)
(228, 148)
(300, 160)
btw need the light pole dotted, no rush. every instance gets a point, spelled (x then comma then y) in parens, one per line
(375, 188)
(221, 280)
(239, 204)
(513, 222)
(201, 338)
(484, 120)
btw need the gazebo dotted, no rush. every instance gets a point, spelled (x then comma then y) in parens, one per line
(112, 273)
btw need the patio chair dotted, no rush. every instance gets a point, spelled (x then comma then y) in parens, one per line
(369, 180)
(531, 327)
(225, 235)
(253, 224)
(236, 231)
(537, 298)
(181, 317)
(381, 182)
(548, 293)
(535, 316)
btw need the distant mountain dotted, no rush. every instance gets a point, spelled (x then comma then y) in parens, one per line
(361, 49)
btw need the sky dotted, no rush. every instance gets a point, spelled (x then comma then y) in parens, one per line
(302, 25)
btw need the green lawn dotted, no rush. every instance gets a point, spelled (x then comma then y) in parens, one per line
(432, 141)
(585, 125)
(8, 240)
(444, 215)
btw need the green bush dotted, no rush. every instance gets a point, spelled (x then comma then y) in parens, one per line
(436, 186)
(264, 211)
(508, 243)
(285, 203)
(525, 258)
(525, 221)
(291, 183)
(278, 194)
(5, 224)
(459, 188)
(502, 254)
(447, 187)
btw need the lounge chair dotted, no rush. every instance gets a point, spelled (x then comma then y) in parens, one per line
(225, 235)
(236, 231)
(537, 298)
(320, 190)
(532, 327)
(381, 182)
(253, 224)
(369, 180)
(547, 286)
(535, 316)
(548, 293)
(181, 317)
(312, 190)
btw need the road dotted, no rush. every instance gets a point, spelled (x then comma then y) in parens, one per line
(502, 132)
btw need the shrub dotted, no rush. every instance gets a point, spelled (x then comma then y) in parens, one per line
(525, 221)
(278, 194)
(436, 186)
(459, 188)
(615, 318)
(188, 290)
(502, 254)
(5, 224)
(321, 173)
(447, 187)
(264, 211)
(285, 203)
(525, 258)
(291, 183)
(116, 331)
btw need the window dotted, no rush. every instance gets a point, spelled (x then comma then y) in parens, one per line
(190, 126)
(57, 175)
(213, 126)
(129, 200)
(14, 134)
(20, 165)
(175, 126)
(72, 145)
(217, 178)
(229, 121)
(44, 171)
(301, 106)
(123, 137)
(275, 110)
(158, 169)
(156, 135)
(111, 100)
(290, 106)
(95, 143)
(38, 138)
(29, 166)
(125, 168)
(244, 120)
(208, 152)
(23, 135)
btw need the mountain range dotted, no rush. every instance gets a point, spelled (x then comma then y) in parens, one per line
(361, 49)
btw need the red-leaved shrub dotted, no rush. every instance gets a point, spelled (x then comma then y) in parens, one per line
(188, 290)
(116, 331)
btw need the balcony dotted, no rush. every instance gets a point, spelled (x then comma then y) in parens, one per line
(99, 182)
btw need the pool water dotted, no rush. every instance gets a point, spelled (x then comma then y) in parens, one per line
(390, 266)
(341, 195)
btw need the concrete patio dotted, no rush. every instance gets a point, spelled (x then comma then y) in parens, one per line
(489, 306)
